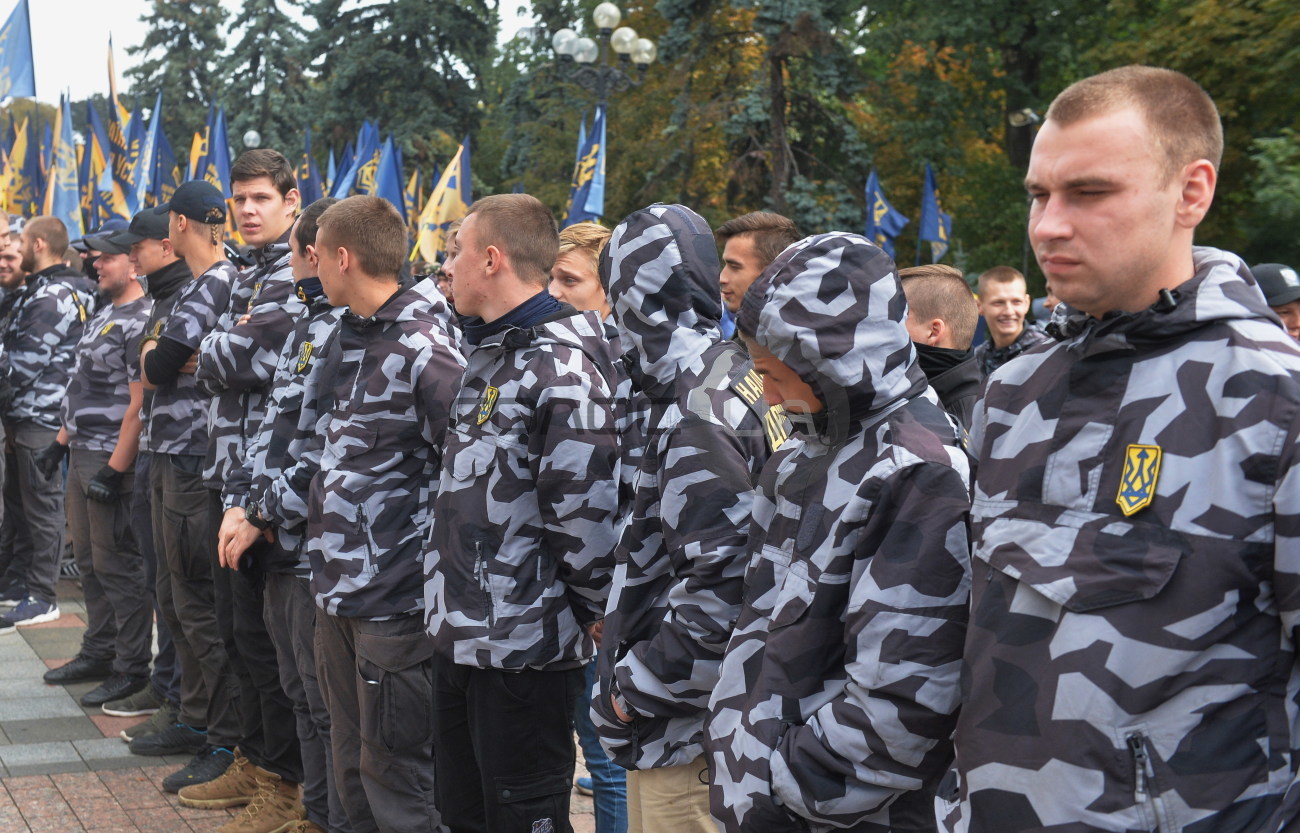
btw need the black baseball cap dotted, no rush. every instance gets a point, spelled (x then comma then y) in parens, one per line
(99, 236)
(199, 200)
(145, 225)
(1280, 283)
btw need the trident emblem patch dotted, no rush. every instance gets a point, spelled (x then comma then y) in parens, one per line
(1137, 486)
(487, 404)
(304, 358)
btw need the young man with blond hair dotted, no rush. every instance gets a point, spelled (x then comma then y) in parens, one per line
(368, 508)
(1130, 662)
(941, 319)
(1004, 303)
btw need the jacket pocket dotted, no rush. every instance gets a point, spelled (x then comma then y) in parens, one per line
(1082, 562)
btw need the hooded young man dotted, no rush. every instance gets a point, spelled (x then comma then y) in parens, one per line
(677, 587)
(839, 688)
(1131, 657)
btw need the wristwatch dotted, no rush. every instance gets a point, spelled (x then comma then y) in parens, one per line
(253, 514)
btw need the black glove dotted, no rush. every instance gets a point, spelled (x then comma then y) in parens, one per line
(104, 486)
(49, 460)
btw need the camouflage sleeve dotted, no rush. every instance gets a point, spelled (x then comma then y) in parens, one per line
(705, 494)
(1286, 581)
(284, 498)
(574, 450)
(887, 730)
(46, 323)
(245, 356)
(436, 374)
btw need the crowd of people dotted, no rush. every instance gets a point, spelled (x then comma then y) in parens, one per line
(401, 537)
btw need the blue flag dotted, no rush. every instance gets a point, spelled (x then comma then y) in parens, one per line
(146, 161)
(935, 225)
(581, 190)
(63, 194)
(309, 182)
(17, 73)
(216, 165)
(167, 174)
(331, 172)
(361, 167)
(884, 222)
(388, 178)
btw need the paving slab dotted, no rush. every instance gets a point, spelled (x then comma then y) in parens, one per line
(43, 730)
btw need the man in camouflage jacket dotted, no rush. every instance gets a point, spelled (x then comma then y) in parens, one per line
(1131, 657)
(681, 556)
(236, 363)
(41, 333)
(838, 692)
(522, 533)
(368, 509)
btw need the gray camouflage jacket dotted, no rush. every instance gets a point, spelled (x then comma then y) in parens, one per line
(681, 555)
(1131, 658)
(177, 421)
(237, 361)
(108, 359)
(44, 325)
(368, 505)
(285, 453)
(839, 689)
(522, 533)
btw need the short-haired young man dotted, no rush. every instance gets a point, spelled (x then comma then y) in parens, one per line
(941, 319)
(272, 483)
(236, 362)
(101, 427)
(1130, 661)
(681, 555)
(522, 535)
(839, 690)
(40, 339)
(1004, 302)
(749, 243)
(368, 510)
(177, 436)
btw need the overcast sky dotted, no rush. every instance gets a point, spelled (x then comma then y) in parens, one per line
(70, 40)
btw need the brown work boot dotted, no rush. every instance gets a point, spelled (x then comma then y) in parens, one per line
(275, 808)
(302, 826)
(236, 786)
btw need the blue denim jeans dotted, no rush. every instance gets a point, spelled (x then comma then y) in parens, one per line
(608, 779)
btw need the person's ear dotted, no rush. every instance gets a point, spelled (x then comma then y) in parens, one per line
(313, 257)
(492, 259)
(1198, 181)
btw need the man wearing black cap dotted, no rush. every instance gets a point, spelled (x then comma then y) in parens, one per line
(101, 427)
(1281, 287)
(164, 275)
(208, 723)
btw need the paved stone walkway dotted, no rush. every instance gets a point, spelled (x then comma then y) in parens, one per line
(63, 767)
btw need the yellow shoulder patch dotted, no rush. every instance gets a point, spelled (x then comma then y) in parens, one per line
(107, 327)
(1137, 485)
(304, 357)
(487, 404)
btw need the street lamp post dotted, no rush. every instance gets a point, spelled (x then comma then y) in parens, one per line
(594, 73)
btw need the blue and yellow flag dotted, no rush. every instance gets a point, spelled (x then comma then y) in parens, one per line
(935, 225)
(388, 178)
(884, 222)
(331, 173)
(62, 194)
(146, 156)
(309, 182)
(411, 197)
(167, 174)
(121, 162)
(449, 202)
(587, 190)
(216, 164)
(13, 181)
(17, 73)
(358, 175)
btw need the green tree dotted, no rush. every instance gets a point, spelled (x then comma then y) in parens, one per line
(179, 55)
(267, 86)
(414, 66)
(1273, 213)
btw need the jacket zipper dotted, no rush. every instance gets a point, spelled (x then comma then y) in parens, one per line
(364, 522)
(480, 572)
(1146, 789)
